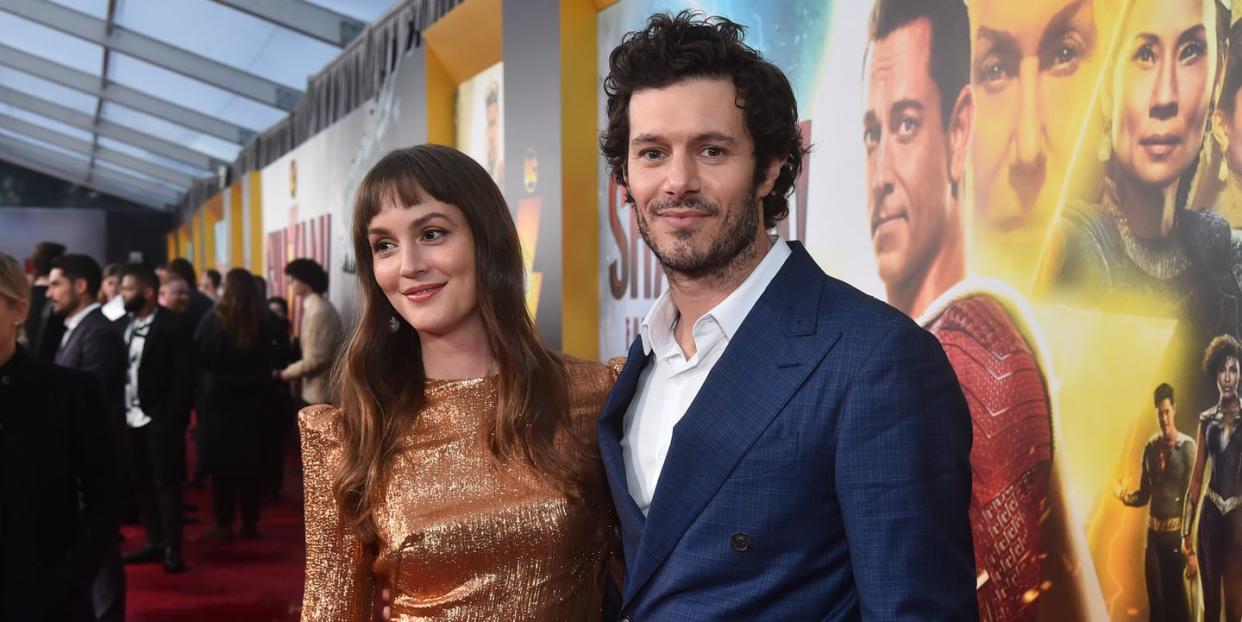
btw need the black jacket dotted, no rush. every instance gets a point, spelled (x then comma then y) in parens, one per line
(166, 372)
(60, 491)
(44, 328)
(96, 346)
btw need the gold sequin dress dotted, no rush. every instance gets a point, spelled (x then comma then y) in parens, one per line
(457, 540)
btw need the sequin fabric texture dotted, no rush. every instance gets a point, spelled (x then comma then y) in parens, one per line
(459, 539)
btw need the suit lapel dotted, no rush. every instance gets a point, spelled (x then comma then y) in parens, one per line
(611, 424)
(70, 345)
(772, 353)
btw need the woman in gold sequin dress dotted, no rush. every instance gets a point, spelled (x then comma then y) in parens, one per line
(460, 471)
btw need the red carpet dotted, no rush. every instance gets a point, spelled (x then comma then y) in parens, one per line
(236, 581)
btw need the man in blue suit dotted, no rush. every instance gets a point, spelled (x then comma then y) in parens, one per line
(779, 445)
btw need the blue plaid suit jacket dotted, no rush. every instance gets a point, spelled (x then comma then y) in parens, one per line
(821, 473)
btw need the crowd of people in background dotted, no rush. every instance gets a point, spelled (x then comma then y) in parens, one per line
(105, 374)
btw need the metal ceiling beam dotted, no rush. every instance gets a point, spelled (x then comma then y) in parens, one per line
(112, 130)
(303, 17)
(76, 178)
(88, 171)
(84, 147)
(153, 51)
(76, 171)
(123, 95)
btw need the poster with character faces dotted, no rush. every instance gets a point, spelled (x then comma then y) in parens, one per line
(1052, 188)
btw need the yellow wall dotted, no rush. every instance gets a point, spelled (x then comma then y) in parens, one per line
(254, 182)
(213, 213)
(237, 226)
(464, 42)
(579, 182)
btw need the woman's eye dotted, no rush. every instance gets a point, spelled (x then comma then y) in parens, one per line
(1193, 50)
(382, 246)
(432, 235)
(1145, 55)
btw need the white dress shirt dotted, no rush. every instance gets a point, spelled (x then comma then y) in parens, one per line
(114, 309)
(136, 338)
(670, 382)
(72, 321)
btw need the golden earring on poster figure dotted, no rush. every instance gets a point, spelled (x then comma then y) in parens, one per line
(1222, 138)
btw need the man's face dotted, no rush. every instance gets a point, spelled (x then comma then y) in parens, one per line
(298, 287)
(1032, 72)
(691, 173)
(175, 295)
(134, 294)
(1165, 414)
(63, 293)
(908, 174)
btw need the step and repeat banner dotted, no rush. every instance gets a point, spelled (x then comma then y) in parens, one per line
(1049, 187)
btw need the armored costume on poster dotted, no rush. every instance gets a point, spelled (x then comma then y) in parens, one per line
(1220, 525)
(1164, 481)
(1011, 456)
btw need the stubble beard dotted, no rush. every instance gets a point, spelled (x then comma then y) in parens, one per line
(729, 252)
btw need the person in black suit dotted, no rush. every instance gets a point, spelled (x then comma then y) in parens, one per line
(157, 399)
(92, 344)
(60, 488)
(43, 327)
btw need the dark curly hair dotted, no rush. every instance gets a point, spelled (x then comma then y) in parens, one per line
(1218, 350)
(1162, 393)
(673, 48)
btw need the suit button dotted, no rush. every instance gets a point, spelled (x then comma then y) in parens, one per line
(740, 542)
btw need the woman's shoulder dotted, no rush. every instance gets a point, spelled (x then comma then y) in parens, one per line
(321, 422)
(589, 383)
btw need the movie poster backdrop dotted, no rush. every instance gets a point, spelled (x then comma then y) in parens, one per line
(1049, 187)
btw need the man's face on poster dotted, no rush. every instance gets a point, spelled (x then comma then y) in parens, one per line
(1165, 414)
(1032, 74)
(908, 159)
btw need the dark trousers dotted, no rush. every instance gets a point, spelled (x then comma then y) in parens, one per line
(108, 591)
(230, 492)
(155, 473)
(1220, 562)
(1166, 566)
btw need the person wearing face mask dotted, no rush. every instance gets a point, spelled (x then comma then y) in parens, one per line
(158, 391)
(60, 486)
(460, 468)
(1139, 249)
(1216, 557)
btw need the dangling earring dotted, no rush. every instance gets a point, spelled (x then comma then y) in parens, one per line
(1104, 150)
(393, 324)
(1223, 141)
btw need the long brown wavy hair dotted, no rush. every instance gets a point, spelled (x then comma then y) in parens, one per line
(381, 376)
(240, 310)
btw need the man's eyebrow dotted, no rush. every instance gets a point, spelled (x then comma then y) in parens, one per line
(997, 38)
(1059, 24)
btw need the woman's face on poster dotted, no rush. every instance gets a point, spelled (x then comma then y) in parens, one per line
(1227, 378)
(1032, 77)
(1161, 82)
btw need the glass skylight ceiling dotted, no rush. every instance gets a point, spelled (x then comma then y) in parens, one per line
(177, 108)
